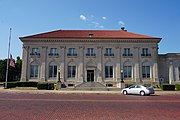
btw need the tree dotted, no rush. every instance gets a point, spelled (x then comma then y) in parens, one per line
(14, 74)
(3, 69)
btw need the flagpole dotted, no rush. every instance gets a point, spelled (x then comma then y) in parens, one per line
(7, 67)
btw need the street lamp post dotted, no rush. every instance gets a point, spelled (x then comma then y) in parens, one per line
(122, 77)
(59, 80)
(122, 80)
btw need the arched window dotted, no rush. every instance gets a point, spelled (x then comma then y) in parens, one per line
(127, 70)
(146, 70)
(108, 70)
(71, 70)
(52, 70)
(34, 70)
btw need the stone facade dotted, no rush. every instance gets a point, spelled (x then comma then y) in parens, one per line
(169, 68)
(75, 60)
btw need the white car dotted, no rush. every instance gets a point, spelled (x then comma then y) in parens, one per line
(138, 89)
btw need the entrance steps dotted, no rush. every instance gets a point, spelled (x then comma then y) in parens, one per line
(94, 86)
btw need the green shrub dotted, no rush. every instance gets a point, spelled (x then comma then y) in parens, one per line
(128, 85)
(11, 84)
(177, 86)
(42, 85)
(27, 84)
(167, 87)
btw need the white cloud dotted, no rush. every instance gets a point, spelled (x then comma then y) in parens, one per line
(121, 23)
(97, 25)
(82, 17)
(104, 18)
(91, 20)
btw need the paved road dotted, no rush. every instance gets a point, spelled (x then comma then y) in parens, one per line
(48, 106)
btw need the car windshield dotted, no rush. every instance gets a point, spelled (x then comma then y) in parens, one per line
(138, 86)
(132, 86)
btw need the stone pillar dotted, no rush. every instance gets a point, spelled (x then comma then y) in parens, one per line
(44, 65)
(118, 65)
(81, 64)
(25, 62)
(171, 75)
(155, 65)
(99, 57)
(137, 73)
(62, 65)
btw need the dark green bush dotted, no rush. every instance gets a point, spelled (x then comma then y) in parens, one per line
(128, 85)
(42, 85)
(177, 86)
(27, 84)
(167, 87)
(11, 84)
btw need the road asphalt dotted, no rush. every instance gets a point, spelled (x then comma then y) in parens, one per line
(35, 91)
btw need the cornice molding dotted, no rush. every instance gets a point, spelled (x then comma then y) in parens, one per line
(92, 40)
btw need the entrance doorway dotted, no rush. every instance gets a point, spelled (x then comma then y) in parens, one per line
(90, 75)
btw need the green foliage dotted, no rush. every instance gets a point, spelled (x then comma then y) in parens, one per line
(168, 87)
(26, 84)
(177, 86)
(14, 73)
(11, 84)
(42, 85)
(128, 85)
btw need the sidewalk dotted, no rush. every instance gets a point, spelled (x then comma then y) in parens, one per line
(35, 91)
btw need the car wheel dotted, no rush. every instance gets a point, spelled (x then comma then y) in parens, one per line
(142, 93)
(125, 92)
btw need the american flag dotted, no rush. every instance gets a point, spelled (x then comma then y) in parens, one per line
(12, 64)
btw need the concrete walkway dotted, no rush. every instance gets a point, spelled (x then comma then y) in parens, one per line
(35, 91)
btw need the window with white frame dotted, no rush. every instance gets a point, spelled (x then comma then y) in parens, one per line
(108, 71)
(53, 51)
(72, 52)
(127, 71)
(145, 52)
(127, 52)
(52, 71)
(146, 71)
(35, 51)
(90, 52)
(71, 71)
(109, 52)
(34, 71)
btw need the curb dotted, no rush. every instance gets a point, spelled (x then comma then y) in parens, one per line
(34, 91)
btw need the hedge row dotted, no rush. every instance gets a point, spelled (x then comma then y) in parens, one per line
(168, 87)
(177, 86)
(45, 86)
(21, 84)
(39, 85)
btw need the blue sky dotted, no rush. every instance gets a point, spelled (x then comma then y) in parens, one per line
(158, 18)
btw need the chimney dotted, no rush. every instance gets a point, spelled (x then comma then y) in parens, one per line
(123, 28)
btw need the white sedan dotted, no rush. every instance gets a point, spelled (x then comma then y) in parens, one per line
(138, 89)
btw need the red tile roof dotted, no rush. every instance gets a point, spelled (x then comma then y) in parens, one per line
(104, 34)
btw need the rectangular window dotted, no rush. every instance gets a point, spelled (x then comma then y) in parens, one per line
(72, 52)
(145, 52)
(109, 52)
(90, 52)
(127, 70)
(71, 71)
(52, 71)
(34, 71)
(108, 71)
(146, 71)
(127, 52)
(53, 52)
(35, 51)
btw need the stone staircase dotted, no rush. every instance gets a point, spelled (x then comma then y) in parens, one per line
(91, 86)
